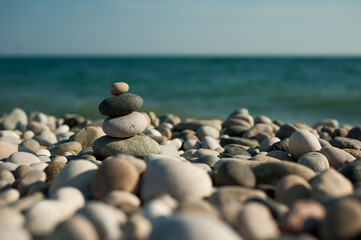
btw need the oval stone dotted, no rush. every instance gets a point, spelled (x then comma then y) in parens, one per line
(86, 136)
(139, 146)
(343, 220)
(31, 144)
(254, 215)
(114, 174)
(73, 147)
(119, 88)
(314, 160)
(23, 158)
(120, 105)
(235, 173)
(78, 174)
(179, 179)
(271, 172)
(125, 126)
(336, 157)
(330, 184)
(291, 188)
(302, 142)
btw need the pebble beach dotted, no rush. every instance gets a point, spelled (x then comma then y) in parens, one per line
(142, 175)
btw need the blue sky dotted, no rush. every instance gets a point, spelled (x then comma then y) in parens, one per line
(115, 27)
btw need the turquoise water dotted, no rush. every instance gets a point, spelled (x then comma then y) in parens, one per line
(290, 89)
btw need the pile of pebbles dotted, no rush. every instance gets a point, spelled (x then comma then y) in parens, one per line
(137, 175)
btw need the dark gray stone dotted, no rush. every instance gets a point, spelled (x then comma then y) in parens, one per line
(120, 105)
(238, 140)
(235, 173)
(342, 142)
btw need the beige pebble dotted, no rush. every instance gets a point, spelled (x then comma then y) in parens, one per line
(23, 158)
(9, 196)
(78, 227)
(137, 227)
(7, 176)
(290, 188)
(119, 88)
(330, 183)
(254, 215)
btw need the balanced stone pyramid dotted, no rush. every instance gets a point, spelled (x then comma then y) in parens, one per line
(123, 125)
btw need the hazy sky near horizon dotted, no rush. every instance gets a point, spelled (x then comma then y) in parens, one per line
(180, 27)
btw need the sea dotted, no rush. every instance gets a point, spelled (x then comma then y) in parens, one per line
(290, 89)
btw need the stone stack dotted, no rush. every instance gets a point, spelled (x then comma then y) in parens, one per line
(123, 125)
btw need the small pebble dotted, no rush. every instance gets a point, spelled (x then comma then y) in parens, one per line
(119, 88)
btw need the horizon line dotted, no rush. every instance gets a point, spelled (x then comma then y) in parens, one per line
(180, 55)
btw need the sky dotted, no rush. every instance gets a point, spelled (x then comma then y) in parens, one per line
(189, 27)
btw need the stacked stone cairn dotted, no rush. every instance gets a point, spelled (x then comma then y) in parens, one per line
(123, 125)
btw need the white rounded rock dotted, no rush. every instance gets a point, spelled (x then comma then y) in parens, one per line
(23, 158)
(44, 216)
(301, 142)
(70, 195)
(119, 88)
(44, 152)
(176, 178)
(78, 174)
(125, 126)
(207, 131)
(252, 216)
(191, 144)
(210, 143)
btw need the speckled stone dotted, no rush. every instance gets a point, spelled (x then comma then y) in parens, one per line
(22, 170)
(125, 126)
(86, 136)
(120, 105)
(314, 160)
(31, 144)
(73, 147)
(139, 146)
